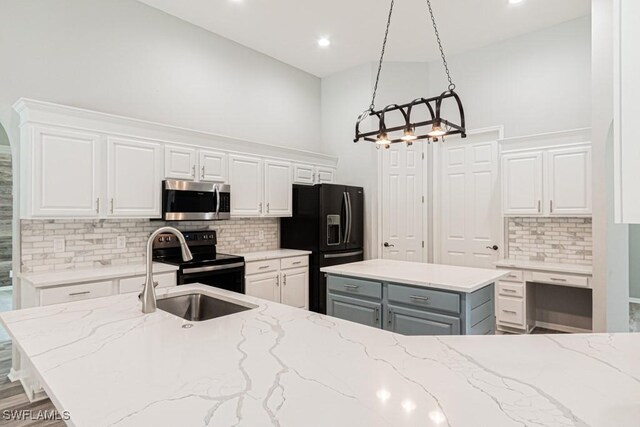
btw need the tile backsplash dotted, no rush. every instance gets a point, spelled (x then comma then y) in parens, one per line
(93, 243)
(557, 240)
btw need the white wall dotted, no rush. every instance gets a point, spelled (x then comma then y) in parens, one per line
(123, 57)
(535, 83)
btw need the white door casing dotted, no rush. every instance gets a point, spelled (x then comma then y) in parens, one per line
(469, 215)
(402, 202)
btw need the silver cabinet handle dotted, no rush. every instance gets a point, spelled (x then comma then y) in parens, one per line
(111, 205)
(260, 207)
(351, 286)
(98, 205)
(539, 206)
(262, 267)
(419, 298)
(556, 279)
(297, 262)
(267, 207)
(377, 314)
(278, 280)
(313, 179)
(389, 314)
(509, 311)
(510, 290)
(550, 206)
(73, 294)
(193, 171)
(202, 174)
(284, 280)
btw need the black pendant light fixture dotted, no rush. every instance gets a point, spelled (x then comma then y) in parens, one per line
(422, 118)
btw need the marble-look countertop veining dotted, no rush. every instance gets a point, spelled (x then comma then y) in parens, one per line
(273, 254)
(448, 277)
(70, 277)
(586, 270)
(110, 365)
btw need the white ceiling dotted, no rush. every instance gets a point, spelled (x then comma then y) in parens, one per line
(288, 30)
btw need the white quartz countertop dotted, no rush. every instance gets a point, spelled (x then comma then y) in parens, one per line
(274, 254)
(70, 277)
(448, 277)
(545, 266)
(110, 365)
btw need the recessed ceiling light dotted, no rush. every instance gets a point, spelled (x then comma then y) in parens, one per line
(324, 42)
(516, 1)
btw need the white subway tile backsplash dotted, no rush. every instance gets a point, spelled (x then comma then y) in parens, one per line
(557, 240)
(93, 243)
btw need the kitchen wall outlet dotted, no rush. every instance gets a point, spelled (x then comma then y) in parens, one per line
(261, 234)
(58, 245)
(121, 242)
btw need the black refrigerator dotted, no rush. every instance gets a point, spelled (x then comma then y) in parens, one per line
(328, 220)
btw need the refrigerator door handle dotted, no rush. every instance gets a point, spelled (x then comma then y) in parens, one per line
(346, 209)
(350, 218)
(344, 255)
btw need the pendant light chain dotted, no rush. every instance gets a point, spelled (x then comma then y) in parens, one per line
(444, 59)
(384, 45)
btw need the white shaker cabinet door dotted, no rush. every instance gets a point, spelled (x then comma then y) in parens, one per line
(133, 178)
(295, 284)
(265, 286)
(303, 174)
(522, 183)
(64, 173)
(278, 189)
(569, 181)
(179, 163)
(325, 175)
(213, 166)
(245, 178)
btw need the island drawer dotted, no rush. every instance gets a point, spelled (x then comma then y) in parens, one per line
(135, 284)
(256, 267)
(511, 289)
(75, 292)
(514, 276)
(294, 262)
(427, 298)
(352, 286)
(560, 279)
(510, 311)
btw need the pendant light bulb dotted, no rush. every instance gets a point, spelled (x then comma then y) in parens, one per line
(409, 135)
(437, 130)
(383, 139)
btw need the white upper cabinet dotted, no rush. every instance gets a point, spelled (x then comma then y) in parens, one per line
(133, 178)
(180, 162)
(547, 182)
(522, 184)
(245, 178)
(64, 174)
(309, 174)
(278, 189)
(212, 166)
(569, 183)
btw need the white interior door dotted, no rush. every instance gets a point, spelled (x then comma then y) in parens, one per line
(469, 208)
(402, 202)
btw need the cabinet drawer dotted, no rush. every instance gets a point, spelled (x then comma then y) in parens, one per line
(351, 286)
(561, 279)
(511, 311)
(514, 276)
(427, 298)
(294, 262)
(135, 284)
(75, 293)
(511, 289)
(256, 267)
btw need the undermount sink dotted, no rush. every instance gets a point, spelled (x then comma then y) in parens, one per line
(197, 307)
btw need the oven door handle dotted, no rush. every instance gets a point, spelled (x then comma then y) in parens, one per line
(212, 268)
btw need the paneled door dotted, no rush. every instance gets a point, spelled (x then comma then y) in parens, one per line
(469, 204)
(402, 202)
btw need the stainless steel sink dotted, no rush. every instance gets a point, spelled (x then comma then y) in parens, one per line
(198, 307)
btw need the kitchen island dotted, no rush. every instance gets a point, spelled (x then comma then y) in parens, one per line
(413, 298)
(108, 364)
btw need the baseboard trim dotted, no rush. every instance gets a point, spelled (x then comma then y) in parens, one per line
(14, 375)
(562, 328)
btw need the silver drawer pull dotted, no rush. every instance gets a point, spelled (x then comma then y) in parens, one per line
(555, 279)
(263, 267)
(513, 276)
(510, 290)
(297, 262)
(351, 286)
(73, 294)
(509, 311)
(419, 298)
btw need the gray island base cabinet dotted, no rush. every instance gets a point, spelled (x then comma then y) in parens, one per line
(411, 310)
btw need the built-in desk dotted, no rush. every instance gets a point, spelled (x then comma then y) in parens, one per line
(545, 295)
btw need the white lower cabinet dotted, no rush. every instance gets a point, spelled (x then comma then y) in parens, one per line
(49, 296)
(284, 280)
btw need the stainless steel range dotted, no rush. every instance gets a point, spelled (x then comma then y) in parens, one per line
(207, 266)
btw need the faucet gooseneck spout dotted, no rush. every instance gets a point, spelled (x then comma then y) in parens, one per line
(148, 295)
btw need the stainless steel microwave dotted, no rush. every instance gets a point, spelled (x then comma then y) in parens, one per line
(195, 201)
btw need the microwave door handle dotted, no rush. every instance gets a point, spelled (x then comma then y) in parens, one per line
(217, 190)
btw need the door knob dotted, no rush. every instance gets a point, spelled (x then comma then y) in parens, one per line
(388, 245)
(493, 248)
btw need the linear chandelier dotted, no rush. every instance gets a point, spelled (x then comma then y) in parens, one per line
(421, 119)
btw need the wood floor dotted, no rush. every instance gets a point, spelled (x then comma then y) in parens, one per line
(12, 397)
